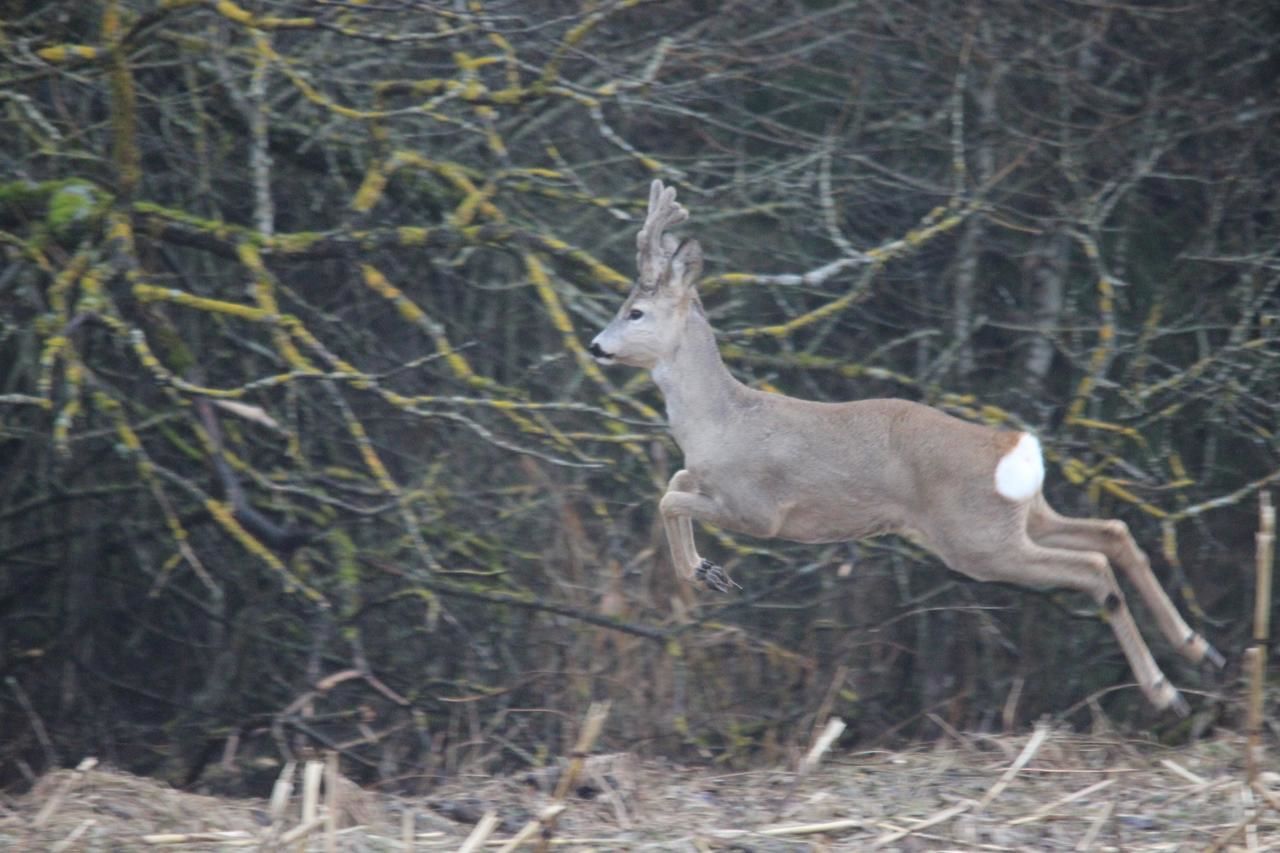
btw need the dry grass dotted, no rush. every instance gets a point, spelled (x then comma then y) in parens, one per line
(1049, 790)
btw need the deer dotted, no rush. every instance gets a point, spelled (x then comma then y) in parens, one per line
(772, 466)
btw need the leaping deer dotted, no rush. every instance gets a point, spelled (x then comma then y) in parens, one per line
(768, 465)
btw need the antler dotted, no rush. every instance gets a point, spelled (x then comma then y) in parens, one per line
(653, 247)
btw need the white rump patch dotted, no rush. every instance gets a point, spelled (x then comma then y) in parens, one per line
(1020, 473)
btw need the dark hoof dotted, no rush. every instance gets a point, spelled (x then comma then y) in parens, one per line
(1214, 657)
(1179, 706)
(713, 576)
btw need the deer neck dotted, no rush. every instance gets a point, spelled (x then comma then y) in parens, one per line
(699, 390)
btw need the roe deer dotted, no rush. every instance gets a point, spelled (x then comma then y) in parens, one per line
(774, 466)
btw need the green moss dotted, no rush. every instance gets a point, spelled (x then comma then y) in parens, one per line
(215, 227)
(70, 206)
(413, 235)
(16, 193)
(343, 550)
(66, 206)
(299, 241)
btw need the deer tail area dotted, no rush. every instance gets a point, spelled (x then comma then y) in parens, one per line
(1020, 472)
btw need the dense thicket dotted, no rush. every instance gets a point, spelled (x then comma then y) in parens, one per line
(302, 450)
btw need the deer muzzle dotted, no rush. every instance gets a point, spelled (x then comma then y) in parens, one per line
(599, 353)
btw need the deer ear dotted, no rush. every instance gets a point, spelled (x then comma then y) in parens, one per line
(686, 266)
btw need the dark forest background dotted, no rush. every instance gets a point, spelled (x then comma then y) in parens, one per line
(301, 448)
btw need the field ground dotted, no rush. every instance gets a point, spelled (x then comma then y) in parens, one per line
(1046, 790)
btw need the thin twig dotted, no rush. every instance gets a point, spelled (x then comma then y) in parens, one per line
(64, 787)
(37, 724)
(73, 836)
(1256, 656)
(333, 802)
(933, 820)
(1091, 835)
(300, 832)
(1028, 752)
(1049, 808)
(481, 833)
(546, 822)
(811, 828)
(311, 775)
(545, 818)
(226, 838)
(1178, 769)
(833, 729)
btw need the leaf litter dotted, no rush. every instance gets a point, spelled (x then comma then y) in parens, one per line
(1047, 790)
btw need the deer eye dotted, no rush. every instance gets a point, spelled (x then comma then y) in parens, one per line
(635, 314)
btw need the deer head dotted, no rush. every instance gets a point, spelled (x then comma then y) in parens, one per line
(650, 323)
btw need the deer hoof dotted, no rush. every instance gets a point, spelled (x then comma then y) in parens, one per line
(713, 576)
(1214, 657)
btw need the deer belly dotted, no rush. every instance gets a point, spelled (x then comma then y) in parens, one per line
(772, 507)
(814, 522)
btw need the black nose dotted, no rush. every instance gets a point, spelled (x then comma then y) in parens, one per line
(595, 350)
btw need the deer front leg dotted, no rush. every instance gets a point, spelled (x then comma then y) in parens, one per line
(679, 505)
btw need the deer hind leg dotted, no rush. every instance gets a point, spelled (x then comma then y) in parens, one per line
(1031, 564)
(679, 505)
(1112, 538)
